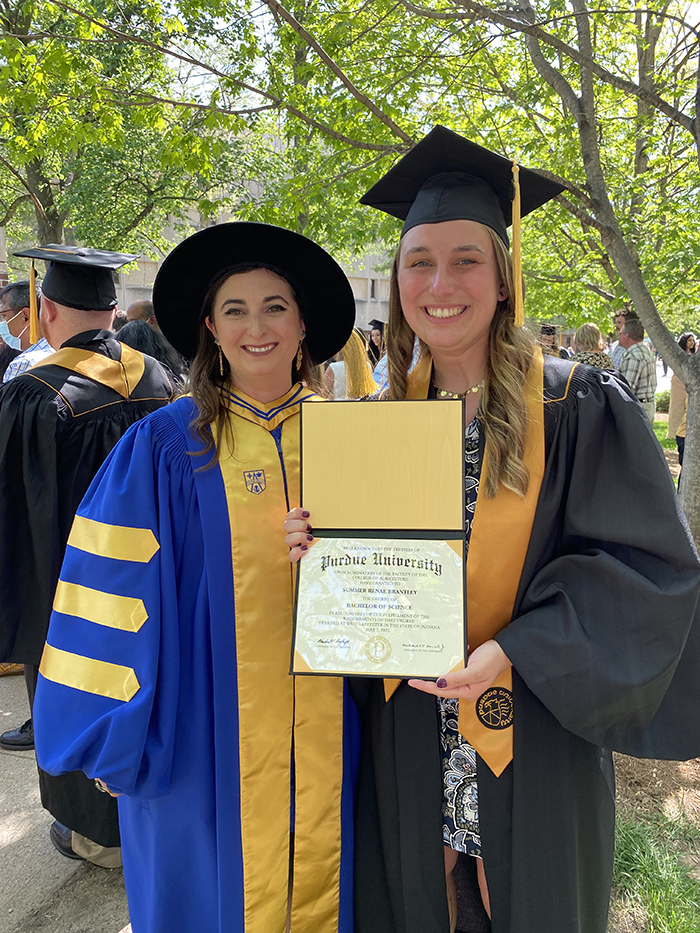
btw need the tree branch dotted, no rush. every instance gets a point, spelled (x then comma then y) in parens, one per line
(536, 31)
(582, 215)
(570, 186)
(37, 203)
(149, 99)
(277, 7)
(12, 209)
(555, 79)
(551, 277)
(188, 59)
(583, 29)
(142, 215)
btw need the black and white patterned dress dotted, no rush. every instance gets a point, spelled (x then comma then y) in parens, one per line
(460, 805)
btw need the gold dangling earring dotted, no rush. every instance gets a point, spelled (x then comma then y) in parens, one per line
(221, 356)
(300, 354)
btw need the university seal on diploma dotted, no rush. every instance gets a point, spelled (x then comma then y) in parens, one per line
(382, 590)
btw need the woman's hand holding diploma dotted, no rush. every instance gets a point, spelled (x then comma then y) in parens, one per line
(484, 665)
(299, 533)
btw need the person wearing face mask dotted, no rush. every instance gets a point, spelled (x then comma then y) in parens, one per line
(15, 330)
(58, 422)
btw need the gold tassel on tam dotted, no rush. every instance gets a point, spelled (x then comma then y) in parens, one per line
(517, 263)
(33, 308)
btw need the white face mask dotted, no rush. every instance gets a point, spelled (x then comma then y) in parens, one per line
(15, 343)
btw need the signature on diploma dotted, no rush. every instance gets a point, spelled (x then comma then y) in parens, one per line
(411, 646)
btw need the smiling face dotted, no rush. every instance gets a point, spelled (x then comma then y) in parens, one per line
(690, 345)
(449, 285)
(257, 320)
(376, 337)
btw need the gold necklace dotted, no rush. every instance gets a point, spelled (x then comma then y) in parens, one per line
(444, 393)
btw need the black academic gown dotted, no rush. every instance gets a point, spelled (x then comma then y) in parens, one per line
(56, 428)
(605, 609)
(7, 354)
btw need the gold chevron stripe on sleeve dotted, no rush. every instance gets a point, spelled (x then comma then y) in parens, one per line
(89, 675)
(116, 541)
(126, 613)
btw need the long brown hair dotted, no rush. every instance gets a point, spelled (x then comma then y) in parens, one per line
(209, 388)
(502, 409)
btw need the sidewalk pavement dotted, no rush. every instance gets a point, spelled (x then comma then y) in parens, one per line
(40, 890)
(663, 383)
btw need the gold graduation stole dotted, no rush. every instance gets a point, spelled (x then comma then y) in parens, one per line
(279, 715)
(498, 544)
(122, 376)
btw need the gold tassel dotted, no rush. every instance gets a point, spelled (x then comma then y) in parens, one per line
(33, 308)
(517, 261)
(221, 357)
(300, 356)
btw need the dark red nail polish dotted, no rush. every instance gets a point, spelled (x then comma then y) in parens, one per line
(310, 537)
(309, 528)
(305, 514)
(441, 683)
(304, 547)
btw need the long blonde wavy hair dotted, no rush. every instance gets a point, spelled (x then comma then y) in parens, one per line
(502, 409)
(358, 374)
(209, 388)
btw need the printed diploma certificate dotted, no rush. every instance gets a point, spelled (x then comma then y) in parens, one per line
(382, 590)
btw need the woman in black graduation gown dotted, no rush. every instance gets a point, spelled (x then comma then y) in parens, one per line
(582, 584)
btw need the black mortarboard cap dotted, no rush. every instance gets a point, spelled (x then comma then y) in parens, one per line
(447, 177)
(78, 277)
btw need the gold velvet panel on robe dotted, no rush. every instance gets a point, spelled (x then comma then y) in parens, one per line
(282, 719)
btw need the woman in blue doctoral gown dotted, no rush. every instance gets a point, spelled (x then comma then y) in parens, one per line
(166, 671)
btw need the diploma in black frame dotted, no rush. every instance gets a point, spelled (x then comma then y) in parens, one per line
(382, 592)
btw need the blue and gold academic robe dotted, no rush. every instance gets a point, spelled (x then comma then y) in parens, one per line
(166, 674)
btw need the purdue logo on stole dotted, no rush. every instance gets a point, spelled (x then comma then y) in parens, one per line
(494, 708)
(255, 481)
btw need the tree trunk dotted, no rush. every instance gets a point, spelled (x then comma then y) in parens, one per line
(49, 218)
(690, 478)
(687, 367)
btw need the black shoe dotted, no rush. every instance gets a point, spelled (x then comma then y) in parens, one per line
(61, 837)
(20, 739)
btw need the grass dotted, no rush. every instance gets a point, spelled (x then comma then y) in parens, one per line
(649, 872)
(660, 428)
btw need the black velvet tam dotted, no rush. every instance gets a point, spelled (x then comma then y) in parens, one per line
(325, 297)
(78, 277)
(447, 177)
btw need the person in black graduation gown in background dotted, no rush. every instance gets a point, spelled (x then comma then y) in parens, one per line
(375, 342)
(58, 422)
(580, 610)
(7, 354)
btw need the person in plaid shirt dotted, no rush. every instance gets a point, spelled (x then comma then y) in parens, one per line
(638, 366)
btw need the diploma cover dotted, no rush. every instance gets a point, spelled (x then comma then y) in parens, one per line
(382, 590)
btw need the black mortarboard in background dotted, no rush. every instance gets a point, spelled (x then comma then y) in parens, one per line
(377, 325)
(78, 277)
(447, 177)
